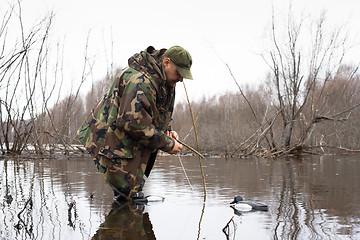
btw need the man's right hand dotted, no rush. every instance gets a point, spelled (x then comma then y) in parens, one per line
(177, 148)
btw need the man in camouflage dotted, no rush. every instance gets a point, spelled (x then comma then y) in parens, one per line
(131, 122)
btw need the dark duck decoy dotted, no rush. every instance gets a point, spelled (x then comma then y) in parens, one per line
(244, 206)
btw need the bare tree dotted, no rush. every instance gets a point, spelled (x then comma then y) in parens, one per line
(20, 72)
(308, 104)
(297, 70)
(30, 80)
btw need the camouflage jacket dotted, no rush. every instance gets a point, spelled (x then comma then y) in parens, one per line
(134, 113)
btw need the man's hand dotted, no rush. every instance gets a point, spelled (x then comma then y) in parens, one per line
(172, 134)
(177, 147)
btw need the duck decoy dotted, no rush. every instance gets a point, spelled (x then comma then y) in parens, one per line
(245, 206)
(149, 199)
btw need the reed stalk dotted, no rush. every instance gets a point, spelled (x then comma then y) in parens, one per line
(196, 138)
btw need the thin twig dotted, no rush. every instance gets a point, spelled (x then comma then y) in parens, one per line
(197, 142)
(186, 176)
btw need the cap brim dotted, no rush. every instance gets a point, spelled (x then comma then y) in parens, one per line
(185, 73)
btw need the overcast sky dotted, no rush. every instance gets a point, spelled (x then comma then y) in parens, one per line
(232, 30)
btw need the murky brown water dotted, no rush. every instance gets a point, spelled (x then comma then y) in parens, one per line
(312, 198)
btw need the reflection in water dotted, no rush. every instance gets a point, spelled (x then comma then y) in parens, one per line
(309, 198)
(126, 221)
(229, 229)
(25, 222)
(288, 210)
(49, 199)
(201, 218)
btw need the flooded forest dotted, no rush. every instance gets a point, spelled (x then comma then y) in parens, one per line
(307, 106)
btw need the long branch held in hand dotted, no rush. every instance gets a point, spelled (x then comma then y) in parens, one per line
(190, 148)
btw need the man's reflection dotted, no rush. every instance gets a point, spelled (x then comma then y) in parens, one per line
(126, 221)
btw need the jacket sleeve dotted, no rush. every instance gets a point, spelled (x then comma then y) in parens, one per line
(136, 115)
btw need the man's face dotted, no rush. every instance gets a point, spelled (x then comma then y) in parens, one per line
(172, 74)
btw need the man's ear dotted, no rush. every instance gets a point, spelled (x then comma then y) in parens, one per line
(166, 61)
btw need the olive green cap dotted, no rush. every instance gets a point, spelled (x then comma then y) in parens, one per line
(182, 59)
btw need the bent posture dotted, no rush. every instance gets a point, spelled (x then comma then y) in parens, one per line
(131, 122)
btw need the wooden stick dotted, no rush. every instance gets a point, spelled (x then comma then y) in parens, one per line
(190, 148)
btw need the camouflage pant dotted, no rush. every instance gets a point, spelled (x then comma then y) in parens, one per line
(124, 176)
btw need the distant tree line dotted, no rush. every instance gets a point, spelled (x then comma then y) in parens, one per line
(308, 103)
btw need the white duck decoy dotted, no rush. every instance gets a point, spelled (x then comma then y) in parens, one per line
(149, 199)
(244, 206)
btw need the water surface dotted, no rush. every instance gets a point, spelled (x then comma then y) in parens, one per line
(310, 198)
